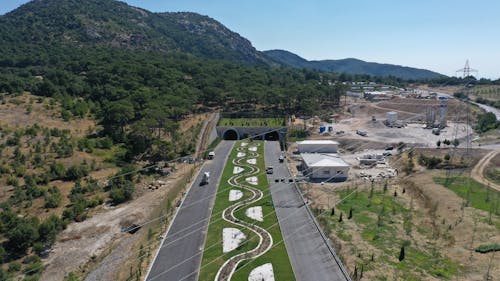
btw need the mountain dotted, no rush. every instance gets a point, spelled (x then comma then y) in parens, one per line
(350, 66)
(97, 23)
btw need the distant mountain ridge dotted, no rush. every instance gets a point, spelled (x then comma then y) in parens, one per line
(109, 23)
(41, 25)
(350, 66)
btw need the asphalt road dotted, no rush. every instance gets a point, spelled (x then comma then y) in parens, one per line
(181, 250)
(309, 254)
(489, 109)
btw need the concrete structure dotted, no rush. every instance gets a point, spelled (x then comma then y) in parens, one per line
(261, 133)
(377, 95)
(371, 159)
(391, 117)
(317, 146)
(325, 167)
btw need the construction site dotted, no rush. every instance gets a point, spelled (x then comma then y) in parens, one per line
(414, 164)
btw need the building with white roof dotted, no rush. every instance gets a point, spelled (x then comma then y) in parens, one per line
(317, 146)
(324, 167)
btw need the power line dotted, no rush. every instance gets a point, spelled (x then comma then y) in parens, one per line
(217, 243)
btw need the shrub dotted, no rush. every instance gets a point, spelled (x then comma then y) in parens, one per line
(429, 162)
(488, 248)
(76, 172)
(121, 190)
(53, 198)
(14, 267)
(57, 170)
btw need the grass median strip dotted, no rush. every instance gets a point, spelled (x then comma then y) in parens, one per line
(213, 257)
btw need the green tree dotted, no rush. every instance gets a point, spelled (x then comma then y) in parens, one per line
(115, 116)
(21, 237)
(122, 190)
(49, 229)
(402, 253)
(486, 121)
(3, 254)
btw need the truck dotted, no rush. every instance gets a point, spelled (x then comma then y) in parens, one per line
(205, 179)
(211, 155)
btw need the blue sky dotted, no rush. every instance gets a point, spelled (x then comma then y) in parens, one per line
(434, 34)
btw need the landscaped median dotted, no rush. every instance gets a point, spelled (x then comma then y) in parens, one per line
(252, 247)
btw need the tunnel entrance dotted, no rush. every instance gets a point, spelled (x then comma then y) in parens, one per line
(272, 136)
(230, 134)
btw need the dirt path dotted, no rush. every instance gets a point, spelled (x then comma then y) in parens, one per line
(206, 129)
(101, 234)
(478, 171)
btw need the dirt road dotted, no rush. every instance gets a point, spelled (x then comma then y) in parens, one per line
(478, 171)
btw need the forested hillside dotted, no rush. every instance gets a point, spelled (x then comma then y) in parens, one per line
(133, 76)
(139, 70)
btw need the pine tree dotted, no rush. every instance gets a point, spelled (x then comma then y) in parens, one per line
(402, 253)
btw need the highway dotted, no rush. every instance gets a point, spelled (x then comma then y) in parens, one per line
(181, 249)
(310, 255)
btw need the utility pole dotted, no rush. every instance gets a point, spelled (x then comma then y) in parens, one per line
(467, 70)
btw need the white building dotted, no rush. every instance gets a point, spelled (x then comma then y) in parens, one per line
(324, 167)
(317, 146)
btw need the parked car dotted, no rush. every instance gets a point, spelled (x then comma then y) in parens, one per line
(281, 158)
(269, 170)
(362, 133)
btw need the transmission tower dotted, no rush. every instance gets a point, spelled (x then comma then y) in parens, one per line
(466, 70)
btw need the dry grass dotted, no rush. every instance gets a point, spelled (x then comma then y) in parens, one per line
(14, 114)
(442, 231)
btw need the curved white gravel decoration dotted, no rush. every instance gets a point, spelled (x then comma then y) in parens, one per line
(232, 237)
(252, 161)
(237, 170)
(255, 213)
(240, 154)
(262, 273)
(244, 143)
(252, 180)
(235, 195)
(253, 148)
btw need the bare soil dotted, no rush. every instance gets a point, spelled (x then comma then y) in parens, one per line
(102, 234)
(15, 114)
(456, 237)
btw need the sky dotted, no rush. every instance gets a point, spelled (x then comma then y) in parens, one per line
(438, 35)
